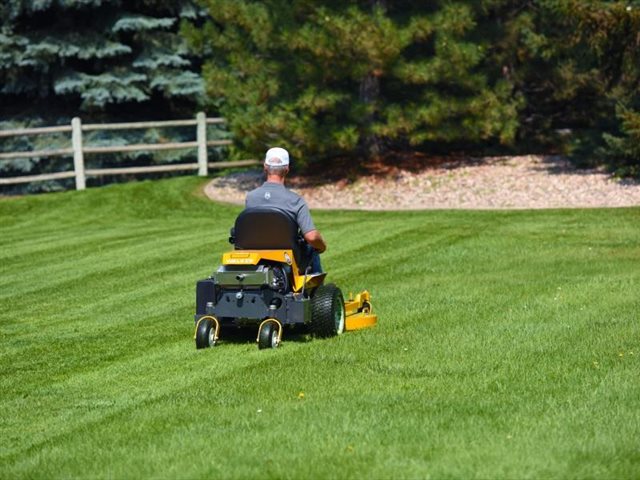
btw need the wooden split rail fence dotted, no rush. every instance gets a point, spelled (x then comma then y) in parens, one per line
(78, 150)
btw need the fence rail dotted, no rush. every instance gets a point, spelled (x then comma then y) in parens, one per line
(78, 149)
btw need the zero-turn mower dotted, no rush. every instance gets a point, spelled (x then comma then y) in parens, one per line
(265, 282)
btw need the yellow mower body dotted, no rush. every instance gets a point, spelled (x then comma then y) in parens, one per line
(358, 309)
(254, 257)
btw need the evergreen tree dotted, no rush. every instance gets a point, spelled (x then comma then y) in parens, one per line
(102, 60)
(547, 71)
(611, 30)
(576, 65)
(93, 54)
(622, 150)
(333, 77)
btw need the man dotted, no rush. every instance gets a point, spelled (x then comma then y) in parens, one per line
(273, 193)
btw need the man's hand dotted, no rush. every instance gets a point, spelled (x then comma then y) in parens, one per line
(314, 239)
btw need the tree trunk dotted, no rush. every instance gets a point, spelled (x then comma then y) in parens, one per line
(369, 95)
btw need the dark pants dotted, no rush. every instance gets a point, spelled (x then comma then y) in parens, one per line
(316, 266)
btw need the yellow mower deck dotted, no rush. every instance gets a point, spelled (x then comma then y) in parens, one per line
(358, 312)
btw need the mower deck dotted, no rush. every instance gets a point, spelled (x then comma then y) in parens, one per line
(358, 312)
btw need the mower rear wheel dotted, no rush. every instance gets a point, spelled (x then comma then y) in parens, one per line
(268, 336)
(205, 334)
(327, 311)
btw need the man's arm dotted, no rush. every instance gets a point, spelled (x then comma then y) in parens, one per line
(311, 234)
(314, 239)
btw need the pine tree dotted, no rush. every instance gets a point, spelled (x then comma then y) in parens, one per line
(611, 30)
(623, 150)
(102, 60)
(93, 54)
(576, 66)
(333, 78)
(547, 72)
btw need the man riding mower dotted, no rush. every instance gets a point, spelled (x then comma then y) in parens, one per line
(267, 282)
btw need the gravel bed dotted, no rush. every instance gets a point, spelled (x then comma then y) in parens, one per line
(523, 182)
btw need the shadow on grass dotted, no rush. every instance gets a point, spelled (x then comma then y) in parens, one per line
(248, 335)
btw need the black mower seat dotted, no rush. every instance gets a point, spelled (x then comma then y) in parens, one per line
(266, 228)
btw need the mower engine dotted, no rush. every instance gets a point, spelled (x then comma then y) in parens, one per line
(239, 293)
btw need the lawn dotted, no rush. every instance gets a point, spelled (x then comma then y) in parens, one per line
(508, 346)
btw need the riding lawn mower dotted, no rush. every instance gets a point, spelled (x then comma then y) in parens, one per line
(266, 282)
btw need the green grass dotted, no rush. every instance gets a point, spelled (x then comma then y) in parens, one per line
(508, 346)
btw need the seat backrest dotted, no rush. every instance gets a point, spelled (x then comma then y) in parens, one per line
(264, 228)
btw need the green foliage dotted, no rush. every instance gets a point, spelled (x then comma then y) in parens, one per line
(533, 50)
(623, 152)
(99, 90)
(341, 78)
(99, 53)
(139, 23)
(333, 78)
(507, 346)
(103, 61)
(610, 31)
(576, 65)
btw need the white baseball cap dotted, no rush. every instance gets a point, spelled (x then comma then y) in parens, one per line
(276, 157)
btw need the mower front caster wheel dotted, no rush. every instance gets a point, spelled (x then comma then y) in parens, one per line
(205, 334)
(268, 337)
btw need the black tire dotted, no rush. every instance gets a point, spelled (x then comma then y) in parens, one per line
(205, 334)
(268, 336)
(327, 311)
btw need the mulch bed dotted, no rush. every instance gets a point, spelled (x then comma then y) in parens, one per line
(421, 182)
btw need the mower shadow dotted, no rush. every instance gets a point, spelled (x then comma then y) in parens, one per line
(244, 335)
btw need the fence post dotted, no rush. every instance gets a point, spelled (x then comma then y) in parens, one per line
(78, 156)
(201, 138)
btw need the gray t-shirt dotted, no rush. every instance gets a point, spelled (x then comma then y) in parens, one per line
(275, 195)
